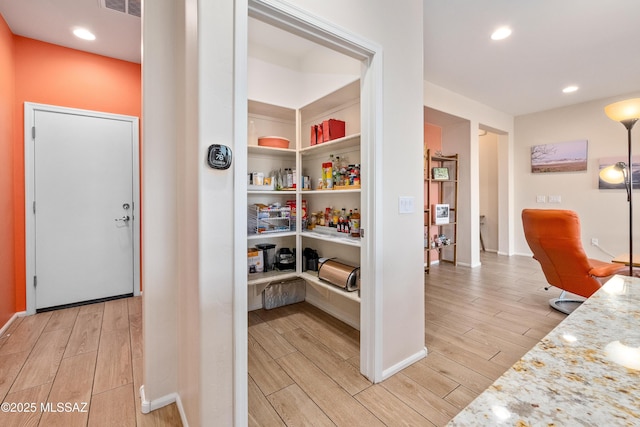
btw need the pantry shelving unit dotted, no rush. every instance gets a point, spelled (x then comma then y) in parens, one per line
(447, 193)
(307, 159)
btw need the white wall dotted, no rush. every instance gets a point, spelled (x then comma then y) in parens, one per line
(189, 157)
(274, 84)
(402, 272)
(187, 207)
(160, 199)
(464, 139)
(455, 139)
(275, 78)
(489, 190)
(266, 80)
(222, 288)
(603, 213)
(192, 292)
(402, 303)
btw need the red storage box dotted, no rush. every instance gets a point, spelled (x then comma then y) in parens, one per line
(332, 129)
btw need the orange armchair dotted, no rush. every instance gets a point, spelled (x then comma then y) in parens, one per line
(554, 238)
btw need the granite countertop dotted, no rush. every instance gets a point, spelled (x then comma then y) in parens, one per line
(585, 372)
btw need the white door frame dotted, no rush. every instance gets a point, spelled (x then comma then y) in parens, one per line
(297, 21)
(29, 179)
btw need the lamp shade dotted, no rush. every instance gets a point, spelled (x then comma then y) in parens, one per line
(614, 174)
(623, 110)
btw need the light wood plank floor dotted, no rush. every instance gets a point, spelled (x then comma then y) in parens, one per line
(88, 359)
(303, 364)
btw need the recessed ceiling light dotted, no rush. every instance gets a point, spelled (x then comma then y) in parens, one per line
(84, 34)
(501, 33)
(570, 89)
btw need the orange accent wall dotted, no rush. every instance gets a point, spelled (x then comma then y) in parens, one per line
(7, 222)
(55, 75)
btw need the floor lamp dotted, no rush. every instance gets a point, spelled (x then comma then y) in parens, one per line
(626, 112)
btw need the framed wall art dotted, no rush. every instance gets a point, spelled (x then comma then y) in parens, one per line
(441, 174)
(441, 214)
(570, 156)
(608, 161)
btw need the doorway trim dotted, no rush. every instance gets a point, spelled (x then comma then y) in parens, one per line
(300, 22)
(29, 179)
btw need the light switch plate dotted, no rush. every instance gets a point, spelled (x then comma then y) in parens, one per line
(555, 199)
(406, 205)
(541, 199)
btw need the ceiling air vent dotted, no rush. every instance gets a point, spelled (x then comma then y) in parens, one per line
(130, 7)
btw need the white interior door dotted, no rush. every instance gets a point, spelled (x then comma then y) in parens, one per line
(83, 212)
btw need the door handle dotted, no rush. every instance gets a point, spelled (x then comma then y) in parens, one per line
(124, 218)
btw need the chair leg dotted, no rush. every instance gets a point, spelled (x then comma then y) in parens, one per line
(565, 305)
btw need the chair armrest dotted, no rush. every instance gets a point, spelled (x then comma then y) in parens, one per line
(605, 269)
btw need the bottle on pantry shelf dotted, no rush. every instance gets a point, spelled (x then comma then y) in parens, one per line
(313, 221)
(328, 216)
(289, 178)
(278, 176)
(320, 216)
(355, 223)
(327, 173)
(339, 171)
(355, 175)
(343, 171)
(346, 226)
(335, 218)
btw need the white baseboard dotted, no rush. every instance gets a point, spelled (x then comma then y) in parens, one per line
(254, 302)
(404, 363)
(329, 309)
(253, 307)
(147, 406)
(528, 255)
(11, 320)
(183, 416)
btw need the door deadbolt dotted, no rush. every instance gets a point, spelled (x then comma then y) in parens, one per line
(126, 206)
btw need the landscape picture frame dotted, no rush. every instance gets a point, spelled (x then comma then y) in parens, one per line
(569, 156)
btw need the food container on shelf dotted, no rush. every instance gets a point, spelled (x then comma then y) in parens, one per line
(332, 129)
(255, 262)
(285, 260)
(284, 293)
(269, 255)
(273, 141)
(339, 273)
